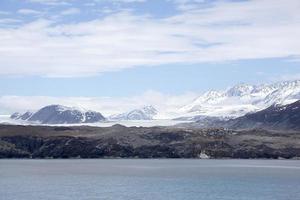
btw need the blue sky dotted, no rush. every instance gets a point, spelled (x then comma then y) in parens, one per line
(169, 79)
(126, 48)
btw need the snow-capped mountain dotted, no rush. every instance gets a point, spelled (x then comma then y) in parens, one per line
(274, 117)
(225, 104)
(58, 114)
(145, 113)
(241, 99)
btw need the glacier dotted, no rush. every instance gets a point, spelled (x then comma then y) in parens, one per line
(241, 99)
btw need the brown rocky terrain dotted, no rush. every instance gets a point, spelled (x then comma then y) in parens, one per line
(141, 142)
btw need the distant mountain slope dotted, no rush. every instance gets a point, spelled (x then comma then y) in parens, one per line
(275, 117)
(145, 113)
(58, 114)
(242, 99)
(20, 116)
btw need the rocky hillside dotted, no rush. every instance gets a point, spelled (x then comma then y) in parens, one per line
(155, 142)
(57, 114)
(285, 117)
(276, 117)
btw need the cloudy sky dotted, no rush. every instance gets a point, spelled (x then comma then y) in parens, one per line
(103, 53)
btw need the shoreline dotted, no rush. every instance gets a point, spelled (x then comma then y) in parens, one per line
(120, 142)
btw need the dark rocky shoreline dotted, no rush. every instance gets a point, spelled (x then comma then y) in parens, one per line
(141, 142)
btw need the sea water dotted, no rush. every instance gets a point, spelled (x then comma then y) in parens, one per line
(149, 179)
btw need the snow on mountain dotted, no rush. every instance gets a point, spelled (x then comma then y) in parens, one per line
(242, 99)
(274, 117)
(58, 114)
(19, 116)
(145, 113)
(229, 103)
(286, 92)
(240, 90)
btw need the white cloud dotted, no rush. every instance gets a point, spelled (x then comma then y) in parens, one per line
(9, 21)
(90, 4)
(29, 12)
(4, 12)
(121, 1)
(130, 1)
(106, 105)
(51, 2)
(70, 11)
(185, 5)
(223, 32)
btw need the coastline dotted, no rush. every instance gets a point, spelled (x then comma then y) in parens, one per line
(120, 142)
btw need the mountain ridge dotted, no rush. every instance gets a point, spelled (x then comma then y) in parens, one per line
(58, 114)
(274, 117)
(242, 98)
(230, 103)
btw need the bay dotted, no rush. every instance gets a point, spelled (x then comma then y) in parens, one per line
(149, 179)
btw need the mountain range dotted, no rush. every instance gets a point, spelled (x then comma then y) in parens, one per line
(275, 117)
(212, 107)
(58, 114)
(242, 99)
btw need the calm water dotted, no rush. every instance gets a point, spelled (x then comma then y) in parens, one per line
(150, 179)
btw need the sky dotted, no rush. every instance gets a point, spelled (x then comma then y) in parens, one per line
(127, 53)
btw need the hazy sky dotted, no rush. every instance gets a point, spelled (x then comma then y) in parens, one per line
(126, 48)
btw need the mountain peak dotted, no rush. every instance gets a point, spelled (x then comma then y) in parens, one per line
(240, 90)
(144, 113)
(149, 109)
(58, 114)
